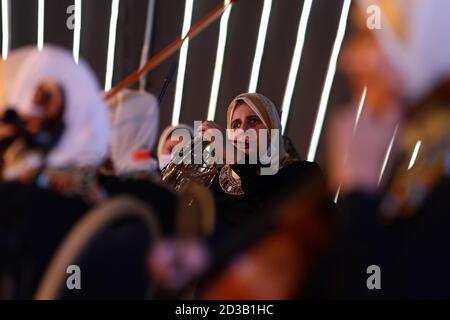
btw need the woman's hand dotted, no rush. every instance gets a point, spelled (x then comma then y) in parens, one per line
(206, 128)
(356, 154)
(209, 130)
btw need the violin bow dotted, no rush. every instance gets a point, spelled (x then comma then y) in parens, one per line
(170, 49)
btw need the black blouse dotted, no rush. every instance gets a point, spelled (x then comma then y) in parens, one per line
(33, 222)
(235, 213)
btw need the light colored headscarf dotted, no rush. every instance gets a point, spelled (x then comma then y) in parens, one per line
(84, 141)
(135, 119)
(266, 111)
(9, 70)
(414, 36)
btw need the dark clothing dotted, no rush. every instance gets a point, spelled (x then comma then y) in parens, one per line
(236, 213)
(114, 266)
(245, 222)
(33, 222)
(412, 253)
(157, 197)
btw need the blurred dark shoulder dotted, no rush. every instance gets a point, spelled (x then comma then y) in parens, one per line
(158, 197)
(436, 101)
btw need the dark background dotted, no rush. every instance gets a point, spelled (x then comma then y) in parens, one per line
(241, 44)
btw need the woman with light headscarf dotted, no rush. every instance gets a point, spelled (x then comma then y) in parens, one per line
(244, 188)
(166, 145)
(56, 133)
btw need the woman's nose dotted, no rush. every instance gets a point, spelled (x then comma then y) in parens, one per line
(245, 127)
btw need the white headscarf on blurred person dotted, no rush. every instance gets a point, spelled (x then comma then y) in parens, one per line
(414, 36)
(134, 129)
(163, 158)
(85, 138)
(9, 71)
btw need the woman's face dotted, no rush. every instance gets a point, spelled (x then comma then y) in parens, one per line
(245, 119)
(48, 109)
(365, 64)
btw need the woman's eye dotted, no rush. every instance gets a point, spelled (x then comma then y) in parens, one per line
(254, 121)
(236, 125)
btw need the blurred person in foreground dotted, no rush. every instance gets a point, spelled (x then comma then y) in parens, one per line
(391, 163)
(54, 134)
(277, 256)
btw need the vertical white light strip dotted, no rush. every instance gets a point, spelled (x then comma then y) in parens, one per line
(295, 64)
(360, 107)
(5, 28)
(267, 7)
(77, 31)
(182, 63)
(41, 14)
(355, 126)
(414, 155)
(146, 42)
(388, 153)
(336, 197)
(111, 44)
(328, 81)
(219, 62)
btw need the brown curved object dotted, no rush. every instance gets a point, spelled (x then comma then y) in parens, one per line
(83, 233)
(196, 211)
(170, 49)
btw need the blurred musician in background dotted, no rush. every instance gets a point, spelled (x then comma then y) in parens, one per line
(135, 122)
(166, 145)
(134, 172)
(57, 129)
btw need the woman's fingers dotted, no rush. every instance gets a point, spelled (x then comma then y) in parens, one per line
(208, 126)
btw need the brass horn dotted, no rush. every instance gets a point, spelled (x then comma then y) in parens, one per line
(184, 168)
